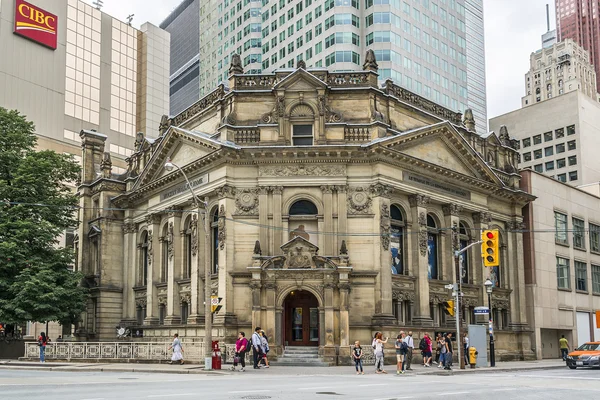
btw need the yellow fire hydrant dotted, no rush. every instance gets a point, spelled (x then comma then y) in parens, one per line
(473, 356)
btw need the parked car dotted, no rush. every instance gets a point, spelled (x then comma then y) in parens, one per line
(586, 355)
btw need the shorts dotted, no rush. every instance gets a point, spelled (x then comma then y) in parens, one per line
(399, 357)
(427, 354)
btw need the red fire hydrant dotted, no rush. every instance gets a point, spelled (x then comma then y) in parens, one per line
(216, 355)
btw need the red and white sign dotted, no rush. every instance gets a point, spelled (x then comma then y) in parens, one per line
(36, 24)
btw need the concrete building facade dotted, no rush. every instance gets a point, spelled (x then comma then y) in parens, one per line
(331, 204)
(421, 45)
(103, 75)
(562, 263)
(558, 137)
(561, 68)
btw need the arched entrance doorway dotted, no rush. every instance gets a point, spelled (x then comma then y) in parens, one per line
(301, 319)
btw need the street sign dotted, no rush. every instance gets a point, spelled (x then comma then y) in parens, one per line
(481, 311)
(450, 286)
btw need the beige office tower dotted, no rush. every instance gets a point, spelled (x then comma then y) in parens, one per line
(87, 70)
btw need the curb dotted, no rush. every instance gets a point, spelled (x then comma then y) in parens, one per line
(489, 370)
(100, 369)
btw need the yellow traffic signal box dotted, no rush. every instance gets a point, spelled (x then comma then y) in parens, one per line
(490, 248)
(449, 307)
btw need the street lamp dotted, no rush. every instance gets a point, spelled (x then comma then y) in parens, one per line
(489, 286)
(169, 166)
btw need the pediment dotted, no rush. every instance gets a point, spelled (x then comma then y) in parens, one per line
(182, 147)
(442, 146)
(300, 80)
(297, 242)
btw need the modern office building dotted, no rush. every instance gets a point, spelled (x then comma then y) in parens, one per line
(562, 263)
(562, 68)
(83, 70)
(421, 45)
(559, 137)
(579, 20)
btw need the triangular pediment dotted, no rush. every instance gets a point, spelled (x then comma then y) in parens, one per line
(299, 241)
(300, 80)
(182, 147)
(443, 146)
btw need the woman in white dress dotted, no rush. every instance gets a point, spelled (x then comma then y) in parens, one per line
(177, 350)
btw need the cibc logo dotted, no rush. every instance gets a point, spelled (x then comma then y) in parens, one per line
(36, 24)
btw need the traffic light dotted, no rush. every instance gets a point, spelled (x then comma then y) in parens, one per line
(215, 303)
(490, 248)
(449, 307)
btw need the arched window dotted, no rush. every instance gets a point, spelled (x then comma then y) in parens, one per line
(560, 83)
(537, 91)
(143, 275)
(432, 248)
(397, 240)
(464, 238)
(303, 221)
(215, 241)
(549, 87)
(187, 250)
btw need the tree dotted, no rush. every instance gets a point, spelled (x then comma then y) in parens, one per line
(36, 207)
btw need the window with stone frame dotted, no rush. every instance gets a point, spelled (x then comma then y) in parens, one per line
(559, 133)
(537, 139)
(432, 248)
(402, 311)
(526, 142)
(537, 154)
(548, 136)
(397, 241)
(162, 313)
(214, 228)
(578, 233)
(560, 226)
(184, 312)
(595, 279)
(560, 148)
(562, 273)
(561, 163)
(581, 276)
(594, 238)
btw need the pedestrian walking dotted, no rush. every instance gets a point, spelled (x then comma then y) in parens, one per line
(564, 347)
(449, 352)
(409, 353)
(401, 349)
(177, 350)
(241, 348)
(42, 341)
(256, 346)
(357, 354)
(443, 349)
(438, 349)
(264, 346)
(427, 350)
(465, 343)
(379, 342)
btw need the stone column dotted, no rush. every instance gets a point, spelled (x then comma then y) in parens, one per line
(270, 320)
(226, 233)
(130, 264)
(451, 219)
(173, 242)
(342, 206)
(328, 341)
(418, 209)
(153, 221)
(516, 268)
(383, 304)
(481, 222)
(277, 232)
(196, 288)
(263, 220)
(327, 192)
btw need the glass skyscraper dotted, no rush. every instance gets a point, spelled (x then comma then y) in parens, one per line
(420, 44)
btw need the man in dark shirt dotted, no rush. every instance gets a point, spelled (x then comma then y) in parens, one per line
(448, 360)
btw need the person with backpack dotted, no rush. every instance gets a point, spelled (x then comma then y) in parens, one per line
(449, 353)
(256, 346)
(401, 350)
(42, 341)
(426, 350)
(409, 353)
(241, 348)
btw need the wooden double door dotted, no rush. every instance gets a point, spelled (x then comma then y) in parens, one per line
(301, 317)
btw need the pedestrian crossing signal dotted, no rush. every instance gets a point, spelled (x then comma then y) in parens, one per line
(449, 307)
(490, 248)
(215, 304)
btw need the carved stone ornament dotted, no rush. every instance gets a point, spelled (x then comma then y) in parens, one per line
(302, 170)
(359, 200)
(141, 302)
(254, 285)
(482, 217)
(108, 186)
(106, 165)
(370, 62)
(221, 227)
(257, 250)
(299, 254)
(326, 111)
(236, 65)
(150, 250)
(380, 190)
(385, 226)
(162, 300)
(327, 189)
(226, 191)
(129, 228)
(422, 219)
(452, 209)
(418, 200)
(301, 64)
(246, 202)
(165, 123)
(170, 241)
(423, 242)
(152, 219)
(185, 298)
(469, 120)
(278, 111)
(194, 229)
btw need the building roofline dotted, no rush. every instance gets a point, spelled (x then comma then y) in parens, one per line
(533, 172)
(175, 13)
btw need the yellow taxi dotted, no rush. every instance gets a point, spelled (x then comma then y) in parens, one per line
(586, 355)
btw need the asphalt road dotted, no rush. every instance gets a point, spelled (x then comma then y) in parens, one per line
(539, 384)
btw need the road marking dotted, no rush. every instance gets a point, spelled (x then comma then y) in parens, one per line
(315, 388)
(99, 398)
(504, 389)
(451, 393)
(249, 391)
(375, 384)
(559, 377)
(171, 395)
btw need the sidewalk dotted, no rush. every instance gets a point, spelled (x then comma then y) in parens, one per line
(199, 369)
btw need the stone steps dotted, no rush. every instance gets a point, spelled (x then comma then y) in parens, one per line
(300, 357)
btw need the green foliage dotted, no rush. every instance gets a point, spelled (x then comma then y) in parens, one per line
(36, 206)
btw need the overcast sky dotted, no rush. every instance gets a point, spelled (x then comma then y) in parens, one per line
(513, 30)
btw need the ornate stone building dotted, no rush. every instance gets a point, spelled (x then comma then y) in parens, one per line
(333, 208)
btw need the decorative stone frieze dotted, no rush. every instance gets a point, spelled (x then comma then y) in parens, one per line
(302, 170)
(222, 229)
(359, 200)
(246, 202)
(385, 226)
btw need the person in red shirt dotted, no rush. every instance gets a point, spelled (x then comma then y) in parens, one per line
(427, 352)
(42, 341)
(241, 347)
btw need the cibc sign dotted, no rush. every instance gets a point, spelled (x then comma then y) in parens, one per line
(36, 24)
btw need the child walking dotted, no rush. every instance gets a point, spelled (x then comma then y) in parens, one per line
(357, 354)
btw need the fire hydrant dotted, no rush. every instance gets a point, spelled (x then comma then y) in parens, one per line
(473, 356)
(216, 355)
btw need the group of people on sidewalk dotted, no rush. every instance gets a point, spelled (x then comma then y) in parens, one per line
(258, 343)
(405, 346)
